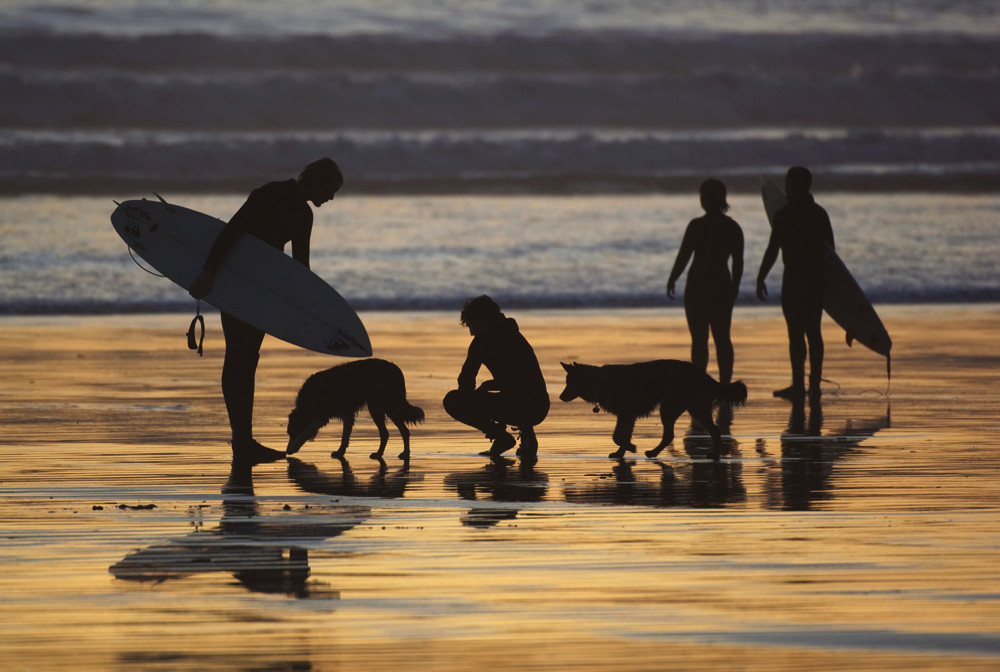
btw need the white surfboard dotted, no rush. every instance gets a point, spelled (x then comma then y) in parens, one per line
(256, 283)
(843, 298)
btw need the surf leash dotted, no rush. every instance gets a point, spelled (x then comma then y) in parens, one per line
(153, 273)
(198, 320)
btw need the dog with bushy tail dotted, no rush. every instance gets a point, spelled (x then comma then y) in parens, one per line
(633, 391)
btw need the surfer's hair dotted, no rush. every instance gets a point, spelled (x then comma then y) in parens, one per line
(321, 173)
(713, 195)
(798, 180)
(479, 308)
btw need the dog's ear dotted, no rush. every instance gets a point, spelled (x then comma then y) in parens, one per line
(566, 366)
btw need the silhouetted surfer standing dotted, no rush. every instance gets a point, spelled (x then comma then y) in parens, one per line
(278, 213)
(799, 231)
(712, 287)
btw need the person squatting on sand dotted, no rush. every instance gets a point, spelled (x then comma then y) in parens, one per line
(711, 288)
(515, 397)
(799, 231)
(277, 213)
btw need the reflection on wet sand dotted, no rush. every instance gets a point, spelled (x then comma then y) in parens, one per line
(808, 457)
(699, 481)
(799, 478)
(498, 481)
(264, 554)
(382, 484)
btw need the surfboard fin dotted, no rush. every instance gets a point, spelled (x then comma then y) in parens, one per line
(169, 207)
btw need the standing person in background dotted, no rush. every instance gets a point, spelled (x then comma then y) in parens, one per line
(712, 286)
(516, 396)
(278, 213)
(799, 230)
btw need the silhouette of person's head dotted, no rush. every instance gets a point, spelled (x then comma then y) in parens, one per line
(713, 196)
(320, 180)
(798, 182)
(478, 311)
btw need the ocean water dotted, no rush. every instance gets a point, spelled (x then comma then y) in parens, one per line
(545, 152)
(61, 255)
(452, 96)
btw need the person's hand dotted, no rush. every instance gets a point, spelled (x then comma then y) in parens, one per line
(761, 290)
(670, 289)
(201, 285)
(489, 386)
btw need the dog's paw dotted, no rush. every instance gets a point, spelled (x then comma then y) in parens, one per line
(652, 453)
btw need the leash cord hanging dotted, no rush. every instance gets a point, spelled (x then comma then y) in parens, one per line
(199, 320)
(158, 275)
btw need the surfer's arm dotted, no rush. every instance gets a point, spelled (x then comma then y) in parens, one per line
(300, 247)
(223, 243)
(770, 256)
(470, 369)
(683, 257)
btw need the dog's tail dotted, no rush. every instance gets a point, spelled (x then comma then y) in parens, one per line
(732, 393)
(408, 414)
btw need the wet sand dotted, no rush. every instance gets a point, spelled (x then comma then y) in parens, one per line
(858, 534)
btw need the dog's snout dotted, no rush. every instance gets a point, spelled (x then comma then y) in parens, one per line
(568, 394)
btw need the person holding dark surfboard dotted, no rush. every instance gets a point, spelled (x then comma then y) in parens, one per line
(799, 230)
(516, 396)
(712, 286)
(277, 213)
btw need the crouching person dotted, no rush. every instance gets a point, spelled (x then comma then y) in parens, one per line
(516, 397)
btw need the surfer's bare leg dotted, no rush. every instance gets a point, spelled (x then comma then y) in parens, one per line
(816, 351)
(238, 379)
(721, 325)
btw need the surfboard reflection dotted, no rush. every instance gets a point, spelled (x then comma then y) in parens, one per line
(803, 475)
(265, 553)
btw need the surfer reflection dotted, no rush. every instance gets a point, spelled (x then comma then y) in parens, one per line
(498, 481)
(265, 553)
(799, 231)
(808, 456)
(694, 481)
(382, 484)
(711, 288)
(278, 213)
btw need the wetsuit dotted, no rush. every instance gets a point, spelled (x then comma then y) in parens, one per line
(800, 229)
(277, 213)
(711, 287)
(516, 396)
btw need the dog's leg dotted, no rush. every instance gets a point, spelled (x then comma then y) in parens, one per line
(668, 417)
(383, 434)
(622, 436)
(404, 432)
(703, 414)
(345, 438)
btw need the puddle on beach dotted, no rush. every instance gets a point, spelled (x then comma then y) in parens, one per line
(851, 535)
